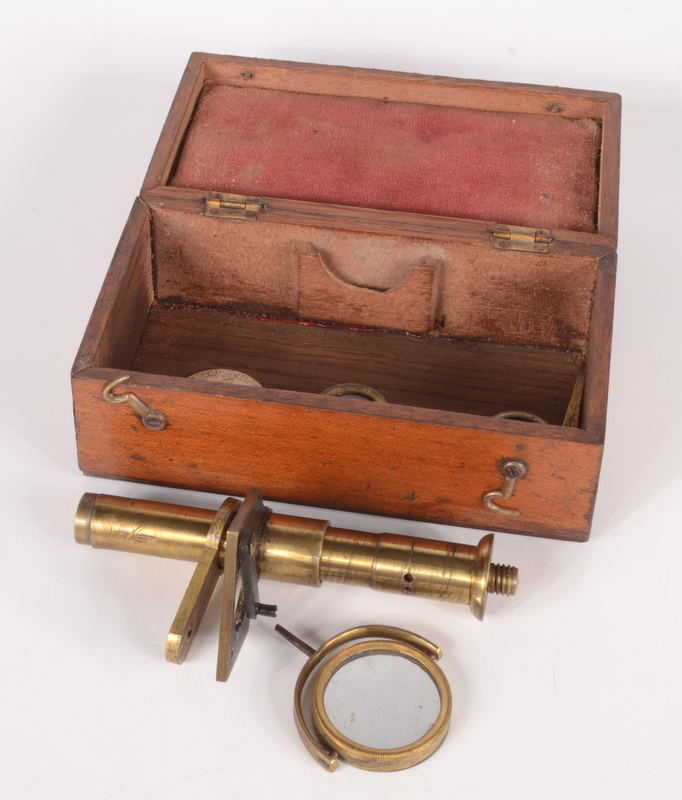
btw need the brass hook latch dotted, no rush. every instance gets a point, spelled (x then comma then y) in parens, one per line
(151, 419)
(512, 471)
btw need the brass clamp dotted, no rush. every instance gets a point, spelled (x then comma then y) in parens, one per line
(151, 419)
(245, 541)
(331, 743)
(226, 545)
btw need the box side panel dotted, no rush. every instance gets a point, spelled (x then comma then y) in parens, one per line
(404, 87)
(178, 119)
(375, 221)
(599, 349)
(117, 321)
(316, 456)
(609, 180)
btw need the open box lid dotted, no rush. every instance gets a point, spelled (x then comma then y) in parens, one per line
(528, 156)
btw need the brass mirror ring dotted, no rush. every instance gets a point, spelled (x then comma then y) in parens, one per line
(354, 389)
(328, 758)
(370, 758)
(523, 416)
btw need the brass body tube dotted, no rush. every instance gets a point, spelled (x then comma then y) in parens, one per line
(390, 563)
(304, 551)
(142, 526)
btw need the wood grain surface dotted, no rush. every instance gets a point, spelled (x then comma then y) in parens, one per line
(599, 349)
(408, 370)
(120, 313)
(373, 220)
(339, 454)
(402, 87)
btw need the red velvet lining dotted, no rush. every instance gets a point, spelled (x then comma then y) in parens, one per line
(520, 169)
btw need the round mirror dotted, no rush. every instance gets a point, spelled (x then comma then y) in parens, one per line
(382, 701)
(381, 705)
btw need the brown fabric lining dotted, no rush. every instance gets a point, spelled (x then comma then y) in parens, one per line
(485, 294)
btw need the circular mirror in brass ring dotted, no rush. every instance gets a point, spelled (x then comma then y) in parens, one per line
(374, 758)
(378, 704)
(356, 391)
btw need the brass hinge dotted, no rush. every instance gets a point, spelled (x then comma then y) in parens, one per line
(513, 237)
(233, 206)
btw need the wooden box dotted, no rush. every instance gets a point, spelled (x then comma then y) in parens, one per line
(450, 243)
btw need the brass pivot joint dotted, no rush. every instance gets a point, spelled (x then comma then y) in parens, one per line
(246, 541)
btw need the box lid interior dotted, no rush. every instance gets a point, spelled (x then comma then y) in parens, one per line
(514, 168)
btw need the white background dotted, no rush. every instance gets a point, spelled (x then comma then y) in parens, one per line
(571, 689)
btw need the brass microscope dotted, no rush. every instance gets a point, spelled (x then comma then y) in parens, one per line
(245, 541)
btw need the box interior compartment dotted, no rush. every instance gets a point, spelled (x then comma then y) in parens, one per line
(492, 331)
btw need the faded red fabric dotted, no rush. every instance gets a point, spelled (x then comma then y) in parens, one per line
(520, 169)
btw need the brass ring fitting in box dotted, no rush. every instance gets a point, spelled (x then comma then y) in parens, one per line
(523, 416)
(394, 641)
(354, 390)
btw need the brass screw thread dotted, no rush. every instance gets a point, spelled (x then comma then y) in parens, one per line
(502, 579)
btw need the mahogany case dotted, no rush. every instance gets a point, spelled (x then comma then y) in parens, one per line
(449, 243)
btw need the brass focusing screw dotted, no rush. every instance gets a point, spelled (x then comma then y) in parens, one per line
(246, 541)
